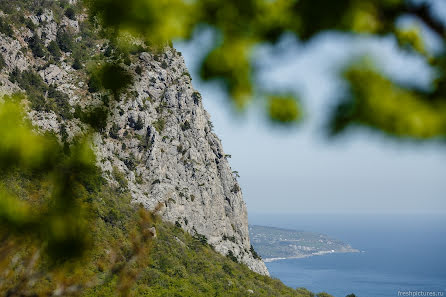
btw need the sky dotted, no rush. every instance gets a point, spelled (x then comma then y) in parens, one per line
(300, 170)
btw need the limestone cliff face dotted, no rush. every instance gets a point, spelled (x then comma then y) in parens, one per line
(157, 141)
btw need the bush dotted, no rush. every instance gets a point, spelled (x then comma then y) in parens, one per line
(5, 28)
(231, 256)
(304, 292)
(36, 46)
(96, 117)
(200, 237)
(120, 178)
(77, 64)
(29, 24)
(54, 50)
(114, 130)
(197, 97)
(114, 78)
(254, 253)
(94, 84)
(2, 62)
(36, 91)
(139, 124)
(70, 13)
(65, 40)
(185, 126)
(138, 70)
(159, 125)
(59, 102)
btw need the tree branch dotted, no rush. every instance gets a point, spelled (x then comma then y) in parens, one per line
(423, 12)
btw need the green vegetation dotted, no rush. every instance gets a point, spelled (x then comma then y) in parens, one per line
(68, 231)
(96, 117)
(5, 28)
(41, 96)
(65, 40)
(111, 77)
(77, 64)
(185, 126)
(114, 130)
(273, 242)
(283, 109)
(70, 13)
(159, 125)
(2, 62)
(54, 50)
(139, 124)
(244, 25)
(36, 46)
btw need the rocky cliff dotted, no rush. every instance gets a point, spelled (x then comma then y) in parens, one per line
(153, 137)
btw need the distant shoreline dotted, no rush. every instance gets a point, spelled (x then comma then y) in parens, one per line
(321, 253)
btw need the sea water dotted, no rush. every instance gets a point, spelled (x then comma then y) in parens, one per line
(400, 254)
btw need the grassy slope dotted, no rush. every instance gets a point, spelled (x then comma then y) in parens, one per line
(119, 260)
(172, 264)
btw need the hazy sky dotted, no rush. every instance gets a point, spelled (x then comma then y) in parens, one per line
(300, 170)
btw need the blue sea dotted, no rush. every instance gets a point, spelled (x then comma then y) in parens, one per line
(398, 253)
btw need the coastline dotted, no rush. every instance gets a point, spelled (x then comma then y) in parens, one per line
(320, 253)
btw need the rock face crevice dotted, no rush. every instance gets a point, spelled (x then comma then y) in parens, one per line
(158, 139)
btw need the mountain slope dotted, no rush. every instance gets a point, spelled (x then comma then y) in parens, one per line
(152, 136)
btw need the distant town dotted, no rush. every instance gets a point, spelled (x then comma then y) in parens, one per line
(277, 244)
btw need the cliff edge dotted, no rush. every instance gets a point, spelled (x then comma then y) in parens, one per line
(154, 137)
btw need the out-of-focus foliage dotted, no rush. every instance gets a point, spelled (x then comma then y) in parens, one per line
(240, 26)
(53, 207)
(377, 102)
(284, 109)
(66, 232)
(60, 225)
(111, 77)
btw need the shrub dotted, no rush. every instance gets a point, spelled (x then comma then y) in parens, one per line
(159, 125)
(185, 73)
(114, 131)
(139, 124)
(164, 65)
(231, 256)
(59, 102)
(36, 91)
(77, 64)
(201, 238)
(94, 84)
(2, 62)
(197, 97)
(54, 50)
(36, 46)
(96, 117)
(120, 178)
(304, 292)
(115, 78)
(112, 77)
(70, 13)
(130, 162)
(138, 70)
(65, 40)
(5, 28)
(185, 126)
(235, 189)
(254, 253)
